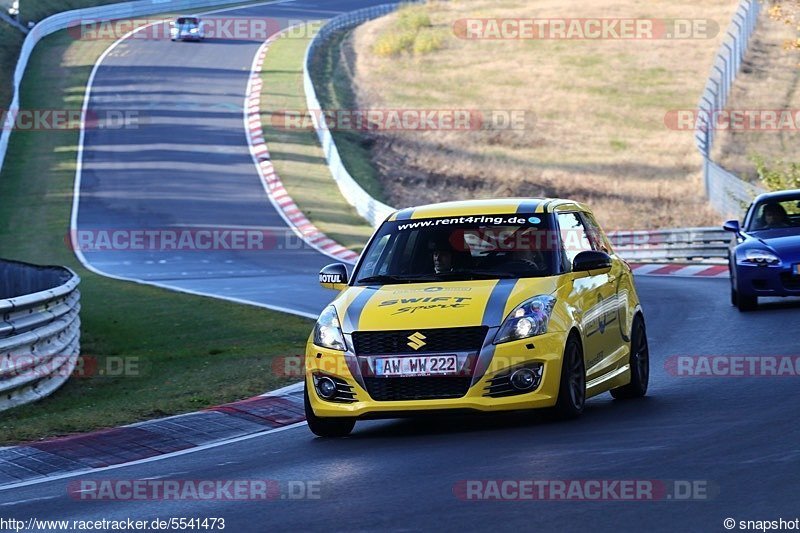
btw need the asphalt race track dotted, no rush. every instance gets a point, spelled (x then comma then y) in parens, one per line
(739, 436)
(186, 165)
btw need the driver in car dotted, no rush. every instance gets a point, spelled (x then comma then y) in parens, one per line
(774, 216)
(442, 257)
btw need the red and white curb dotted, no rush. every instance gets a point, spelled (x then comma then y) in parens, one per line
(273, 185)
(315, 238)
(681, 270)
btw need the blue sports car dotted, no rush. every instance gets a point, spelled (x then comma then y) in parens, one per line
(764, 259)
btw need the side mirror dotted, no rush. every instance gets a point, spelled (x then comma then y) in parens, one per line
(732, 225)
(334, 277)
(591, 260)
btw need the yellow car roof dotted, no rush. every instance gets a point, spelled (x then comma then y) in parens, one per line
(502, 206)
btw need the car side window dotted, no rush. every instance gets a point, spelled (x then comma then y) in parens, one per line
(376, 257)
(574, 238)
(597, 238)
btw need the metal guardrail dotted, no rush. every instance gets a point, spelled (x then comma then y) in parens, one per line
(687, 244)
(68, 19)
(729, 194)
(39, 331)
(12, 22)
(368, 207)
(708, 245)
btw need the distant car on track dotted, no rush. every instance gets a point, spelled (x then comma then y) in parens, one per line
(764, 259)
(484, 305)
(187, 29)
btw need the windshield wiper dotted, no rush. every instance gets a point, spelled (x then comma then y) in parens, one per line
(483, 274)
(386, 278)
(459, 275)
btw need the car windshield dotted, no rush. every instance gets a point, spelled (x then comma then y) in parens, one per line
(776, 214)
(187, 21)
(461, 248)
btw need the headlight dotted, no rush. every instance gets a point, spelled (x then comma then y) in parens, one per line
(760, 257)
(327, 331)
(528, 320)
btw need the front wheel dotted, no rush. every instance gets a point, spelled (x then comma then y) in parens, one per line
(326, 426)
(743, 302)
(639, 361)
(572, 388)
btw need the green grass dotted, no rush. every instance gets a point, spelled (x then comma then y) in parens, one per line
(333, 84)
(413, 18)
(40, 9)
(296, 153)
(10, 45)
(411, 32)
(194, 352)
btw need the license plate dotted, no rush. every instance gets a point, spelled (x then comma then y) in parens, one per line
(423, 365)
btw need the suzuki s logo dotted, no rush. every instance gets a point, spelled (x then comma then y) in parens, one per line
(417, 340)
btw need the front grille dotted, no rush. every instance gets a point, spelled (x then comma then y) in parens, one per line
(417, 388)
(790, 282)
(445, 340)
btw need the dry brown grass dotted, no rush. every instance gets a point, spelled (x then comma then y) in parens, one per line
(770, 79)
(599, 107)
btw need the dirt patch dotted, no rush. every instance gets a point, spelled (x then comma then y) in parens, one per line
(595, 111)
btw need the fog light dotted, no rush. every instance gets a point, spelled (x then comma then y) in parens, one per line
(523, 379)
(326, 387)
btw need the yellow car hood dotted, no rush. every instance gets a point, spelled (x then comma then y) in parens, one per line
(436, 305)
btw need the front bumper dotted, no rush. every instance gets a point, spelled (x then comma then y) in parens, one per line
(545, 349)
(753, 280)
(187, 37)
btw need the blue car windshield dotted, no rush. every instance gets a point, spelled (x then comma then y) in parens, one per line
(187, 23)
(461, 248)
(775, 215)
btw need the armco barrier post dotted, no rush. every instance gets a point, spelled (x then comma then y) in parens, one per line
(725, 192)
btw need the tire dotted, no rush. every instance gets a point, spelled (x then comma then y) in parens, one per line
(325, 426)
(572, 387)
(639, 361)
(743, 302)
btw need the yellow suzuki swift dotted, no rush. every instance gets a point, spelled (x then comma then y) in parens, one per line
(482, 305)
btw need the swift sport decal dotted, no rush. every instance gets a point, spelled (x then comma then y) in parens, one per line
(412, 305)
